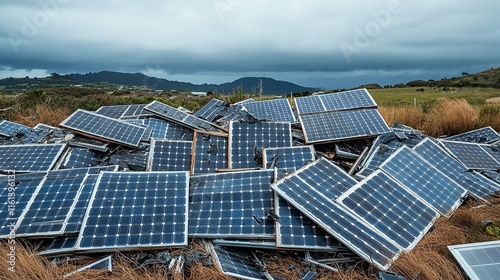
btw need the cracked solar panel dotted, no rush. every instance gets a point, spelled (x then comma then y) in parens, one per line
(278, 110)
(8, 129)
(473, 156)
(390, 208)
(287, 160)
(235, 263)
(79, 158)
(209, 154)
(30, 158)
(136, 210)
(212, 110)
(423, 179)
(351, 99)
(170, 155)
(482, 135)
(231, 205)
(479, 260)
(167, 130)
(105, 128)
(246, 141)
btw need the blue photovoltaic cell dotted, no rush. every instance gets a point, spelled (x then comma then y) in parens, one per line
(170, 155)
(475, 183)
(134, 111)
(60, 245)
(473, 156)
(167, 130)
(136, 210)
(236, 264)
(105, 128)
(375, 158)
(114, 112)
(341, 125)
(481, 261)
(482, 135)
(30, 158)
(278, 110)
(210, 153)
(212, 110)
(8, 129)
(77, 214)
(349, 230)
(390, 208)
(224, 205)
(246, 141)
(353, 99)
(296, 231)
(79, 157)
(287, 160)
(423, 179)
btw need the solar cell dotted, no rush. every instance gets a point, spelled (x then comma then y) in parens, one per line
(473, 156)
(79, 157)
(8, 129)
(352, 99)
(236, 263)
(105, 128)
(479, 260)
(390, 208)
(423, 179)
(29, 158)
(167, 130)
(287, 160)
(278, 110)
(60, 245)
(170, 155)
(342, 125)
(246, 141)
(77, 213)
(209, 154)
(136, 210)
(212, 110)
(482, 135)
(320, 207)
(231, 205)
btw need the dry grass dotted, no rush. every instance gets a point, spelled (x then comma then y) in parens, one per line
(407, 115)
(41, 114)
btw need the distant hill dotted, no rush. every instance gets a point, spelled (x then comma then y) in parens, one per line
(486, 79)
(250, 84)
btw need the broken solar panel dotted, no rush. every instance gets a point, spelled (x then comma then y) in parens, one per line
(278, 110)
(287, 160)
(352, 99)
(479, 260)
(75, 218)
(122, 111)
(29, 158)
(170, 155)
(390, 208)
(102, 264)
(482, 135)
(79, 157)
(423, 179)
(209, 154)
(212, 110)
(296, 231)
(136, 210)
(473, 156)
(171, 114)
(231, 205)
(60, 245)
(246, 141)
(144, 123)
(475, 183)
(105, 128)
(342, 125)
(8, 129)
(235, 263)
(317, 203)
(162, 129)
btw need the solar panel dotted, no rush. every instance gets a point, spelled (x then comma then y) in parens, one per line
(482, 135)
(114, 112)
(136, 210)
(170, 155)
(60, 245)
(287, 160)
(167, 130)
(30, 158)
(246, 141)
(479, 260)
(212, 110)
(473, 156)
(278, 110)
(423, 179)
(475, 183)
(209, 153)
(353, 99)
(225, 204)
(102, 264)
(79, 157)
(134, 111)
(342, 125)
(171, 114)
(319, 205)
(236, 263)
(143, 123)
(76, 216)
(8, 129)
(390, 208)
(105, 128)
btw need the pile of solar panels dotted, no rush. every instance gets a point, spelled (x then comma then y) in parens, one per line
(250, 175)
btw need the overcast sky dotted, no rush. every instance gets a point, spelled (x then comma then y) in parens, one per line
(329, 44)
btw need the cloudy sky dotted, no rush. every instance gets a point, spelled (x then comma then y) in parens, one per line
(329, 44)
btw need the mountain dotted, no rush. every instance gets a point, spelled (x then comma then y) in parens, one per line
(250, 84)
(486, 79)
